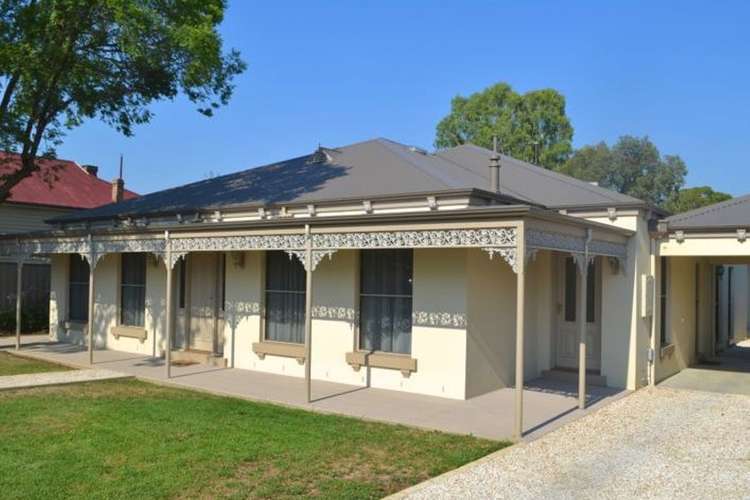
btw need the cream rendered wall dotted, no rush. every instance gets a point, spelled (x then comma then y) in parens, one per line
(491, 331)
(58, 299)
(438, 333)
(625, 334)
(242, 309)
(541, 313)
(106, 306)
(705, 321)
(680, 319)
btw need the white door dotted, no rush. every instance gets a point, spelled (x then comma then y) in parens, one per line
(567, 338)
(203, 268)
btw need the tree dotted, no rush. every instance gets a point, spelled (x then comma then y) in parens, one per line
(692, 198)
(632, 166)
(531, 127)
(65, 61)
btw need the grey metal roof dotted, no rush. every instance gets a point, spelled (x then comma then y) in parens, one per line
(365, 170)
(529, 182)
(730, 214)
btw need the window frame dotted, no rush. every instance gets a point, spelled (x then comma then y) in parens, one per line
(266, 290)
(360, 340)
(570, 307)
(122, 286)
(83, 284)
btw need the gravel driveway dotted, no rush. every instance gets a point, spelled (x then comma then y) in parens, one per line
(656, 443)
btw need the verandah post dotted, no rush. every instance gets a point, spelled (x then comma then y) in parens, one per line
(19, 296)
(308, 312)
(520, 328)
(170, 306)
(583, 268)
(92, 267)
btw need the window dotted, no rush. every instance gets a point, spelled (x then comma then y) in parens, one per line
(223, 278)
(285, 298)
(571, 299)
(78, 289)
(591, 293)
(133, 289)
(664, 282)
(183, 271)
(571, 291)
(386, 300)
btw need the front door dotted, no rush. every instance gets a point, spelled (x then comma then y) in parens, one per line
(204, 274)
(567, 338)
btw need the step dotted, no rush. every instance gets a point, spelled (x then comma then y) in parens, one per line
(199, 357)
(571, 376)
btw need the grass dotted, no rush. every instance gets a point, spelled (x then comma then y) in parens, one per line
(127, 439)
(16, 365)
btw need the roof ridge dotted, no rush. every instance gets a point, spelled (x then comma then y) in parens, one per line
(709, 209)
(572, 181)
(467, 169)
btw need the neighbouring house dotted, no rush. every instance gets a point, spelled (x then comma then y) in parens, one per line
(451, 274)
(57, 188)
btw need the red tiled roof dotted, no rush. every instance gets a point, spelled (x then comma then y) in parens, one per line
(60, 183)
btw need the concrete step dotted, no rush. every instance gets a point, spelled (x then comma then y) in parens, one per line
(199, 357)
(571, 376)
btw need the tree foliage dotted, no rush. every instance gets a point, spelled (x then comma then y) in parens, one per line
(531, 126)
(65, 61)
(633, 166)
(692, 198)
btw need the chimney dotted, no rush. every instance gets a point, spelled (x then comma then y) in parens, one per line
(92, 170)
(118, 186)
(494, 168)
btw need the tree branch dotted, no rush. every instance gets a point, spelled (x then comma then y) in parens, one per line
(9, 89)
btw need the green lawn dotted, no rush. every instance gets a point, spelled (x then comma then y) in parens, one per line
(16, 365)
(128, 439)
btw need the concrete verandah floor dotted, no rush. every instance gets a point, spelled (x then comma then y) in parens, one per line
(547, 404)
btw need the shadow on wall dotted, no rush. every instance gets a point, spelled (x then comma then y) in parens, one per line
(234, 313)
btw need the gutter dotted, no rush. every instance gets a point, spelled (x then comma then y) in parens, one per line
(488, 212)
(470, 192)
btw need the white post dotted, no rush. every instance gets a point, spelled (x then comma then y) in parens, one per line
(92, 266)
(582, 322)
(520, 312)
(19, 295)
(582, 336)
(308, 312)
(170, 307)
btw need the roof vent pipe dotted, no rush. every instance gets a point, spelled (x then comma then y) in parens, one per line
(494, 168)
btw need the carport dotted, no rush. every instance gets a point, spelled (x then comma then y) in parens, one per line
(702, 285)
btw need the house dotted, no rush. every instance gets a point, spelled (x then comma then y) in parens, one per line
(449, 274)
(59, 187)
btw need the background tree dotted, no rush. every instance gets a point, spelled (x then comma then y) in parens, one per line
(632, 166)
(692, 198)
(65, 61)
(531, 127)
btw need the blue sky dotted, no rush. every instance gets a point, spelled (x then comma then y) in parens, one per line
(340, 72)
